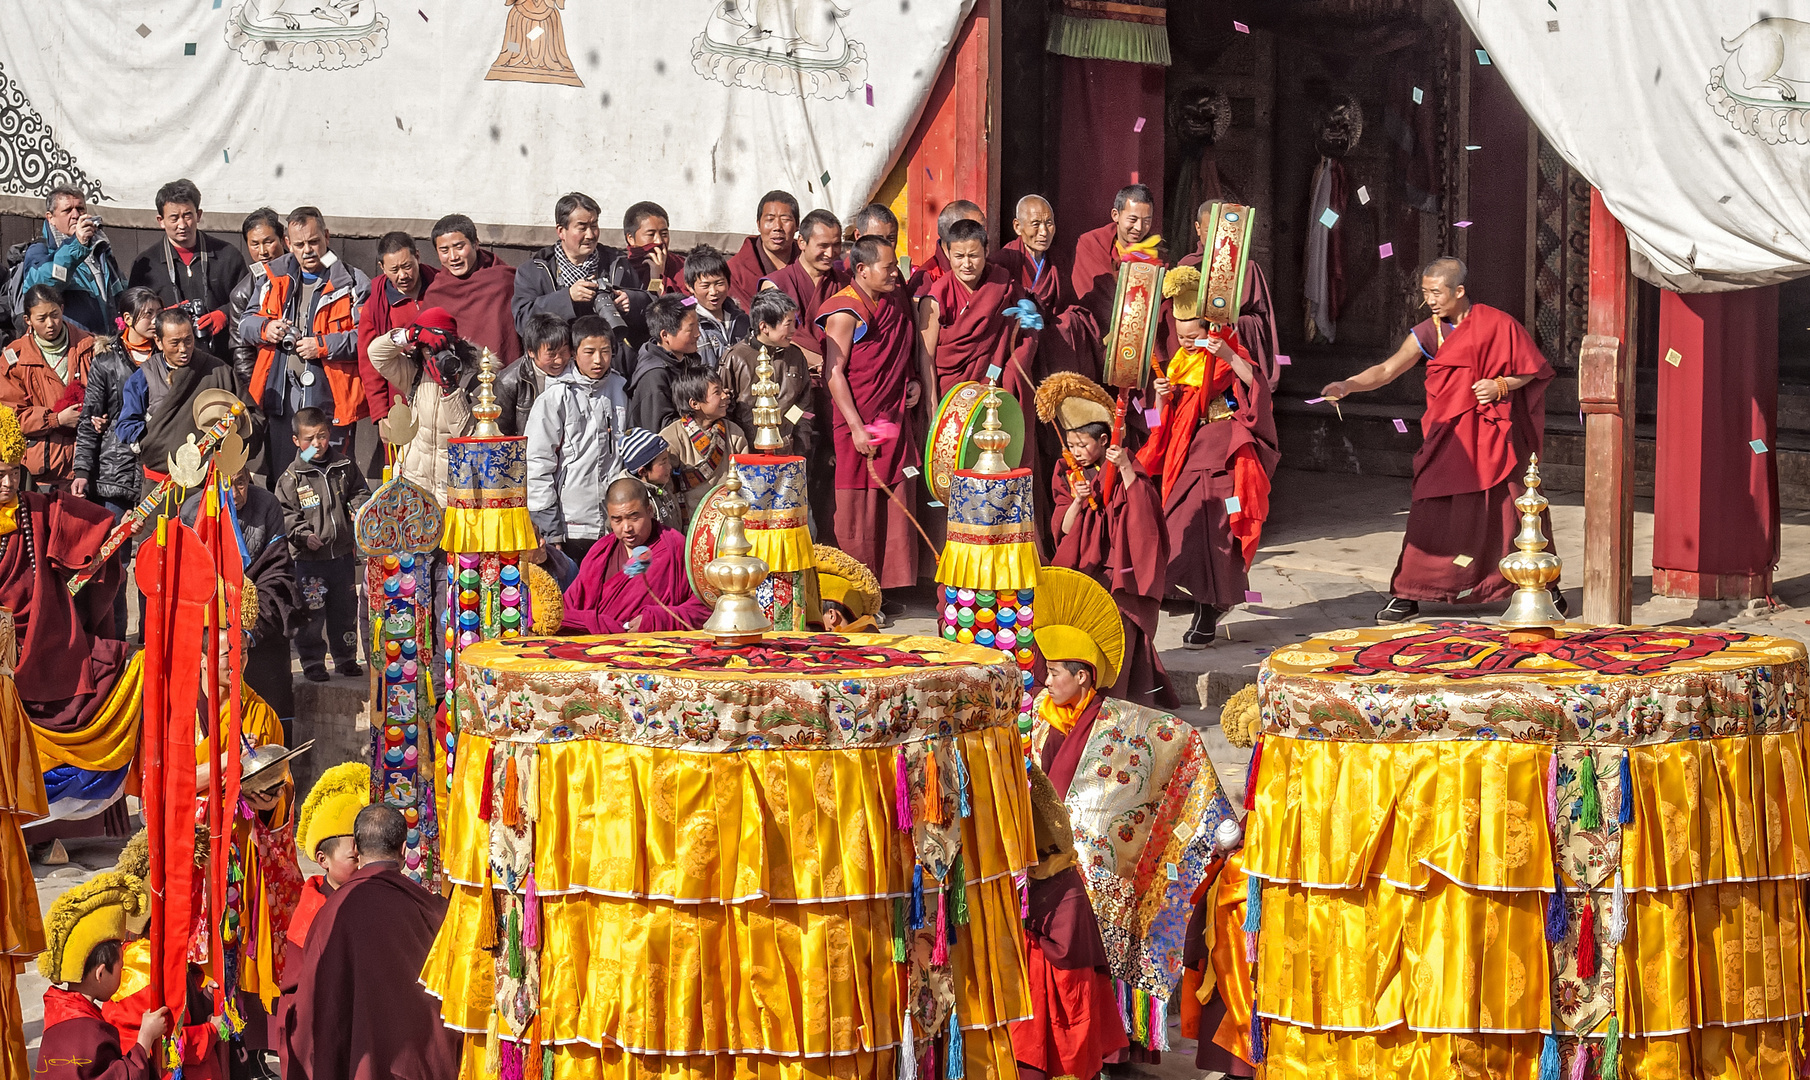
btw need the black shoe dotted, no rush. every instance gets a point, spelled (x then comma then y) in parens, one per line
(1558, 601)
(316, 674)
(1397, 610)
(350, 670)
(1203, 629)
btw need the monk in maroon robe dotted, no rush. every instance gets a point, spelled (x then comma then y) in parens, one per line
(1070, 340)
(633, 580)
(1118, 538)
(867, 365)
(1486, 414)
(1094, 273)
(478, 294)
(773, 247)
(965, 323)
(937, 266)
(1256, 323)
(78, 1044)
(810, 280)
(360, 1011)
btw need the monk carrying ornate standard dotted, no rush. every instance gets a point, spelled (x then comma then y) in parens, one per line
(1486, 412)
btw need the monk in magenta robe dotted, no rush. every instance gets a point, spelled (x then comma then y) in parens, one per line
(1486, 413)
(1070, 340)
(633, 580)
(772, 248)
(867, 340)
(1094, 274)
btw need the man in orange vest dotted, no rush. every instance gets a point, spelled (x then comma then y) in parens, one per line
(306, 327)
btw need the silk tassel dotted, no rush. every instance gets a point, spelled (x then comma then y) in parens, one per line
(939, 949)
(1618, 913)
(493, 1047)
(1159, 1024)
(1558, 918)
(1250, 775)
(1552, 792)
(917, 898)
(1586, 941)
(898, 929)
(1580, 1061)
(1259, 1052)
(1592, 802)
(487, 930)
(955, 1067)
(1625, 813)
(908, 1049)
(546, 1064)
(509, 1060)
(530, 914)
(488, 795)
(933, 786)
(517, 964)
(1250, 946)
(1611, 1065)
(958, 894)
(1253, 904)
(1549, 1059)
(535, 1060)
(902, 795)
(962, 782)
(512, 793)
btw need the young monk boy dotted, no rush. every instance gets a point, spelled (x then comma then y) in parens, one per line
(1111, 531)
(967, 318)
(324, 833)
(84, 929)
(775, 318)
(849, 592)
(702, 439)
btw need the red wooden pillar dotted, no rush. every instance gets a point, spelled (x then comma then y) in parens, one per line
(1606, 394)
(953, 154)
(1715, 485)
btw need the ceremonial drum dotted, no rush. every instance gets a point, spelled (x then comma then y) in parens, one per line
(1137, 313)
(777, 525)
(670, 858)
(950, 445)
(1484, 857)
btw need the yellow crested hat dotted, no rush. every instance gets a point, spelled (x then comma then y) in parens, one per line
(12, 438)
(1074, 399)
(846, 581)
(1181, 286)
(1077, 620)
(92, 912)
(333, 805)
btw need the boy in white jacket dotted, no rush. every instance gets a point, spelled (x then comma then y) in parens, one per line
(574, 432)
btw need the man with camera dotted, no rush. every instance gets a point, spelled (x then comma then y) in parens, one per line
(189, 268)
(568, 278)
(306, 327)
(73, 255)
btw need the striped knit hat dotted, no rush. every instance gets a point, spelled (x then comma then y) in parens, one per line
(639, 449)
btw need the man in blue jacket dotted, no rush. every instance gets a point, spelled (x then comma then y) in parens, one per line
(74, 255)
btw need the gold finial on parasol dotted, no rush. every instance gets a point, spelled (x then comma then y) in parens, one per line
(486, 410)
(992, 438)
(766, 406)
(735, 574)
(1532, 567)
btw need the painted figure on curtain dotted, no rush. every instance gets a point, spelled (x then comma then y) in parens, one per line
(782, 47)
(534, 46)
(32, 162)
(1756, 91)
(307, 35)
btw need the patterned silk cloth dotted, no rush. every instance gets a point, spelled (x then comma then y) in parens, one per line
(1482, 857)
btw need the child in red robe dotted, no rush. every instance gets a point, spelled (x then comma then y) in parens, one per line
(1108, 524)
(84, 930)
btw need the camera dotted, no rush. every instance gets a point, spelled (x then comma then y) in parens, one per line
(604, 306)
(195, 308)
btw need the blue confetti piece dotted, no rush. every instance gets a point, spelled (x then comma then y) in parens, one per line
(1329, 217)
(1758, 445)
(1483, 58)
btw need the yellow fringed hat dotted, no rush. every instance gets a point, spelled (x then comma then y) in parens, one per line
(82, 918)
(1074, 399)
(12, 439)
(1181, 286)
(846, 581)
(549, 602)
(1077, 620)
(332, 806)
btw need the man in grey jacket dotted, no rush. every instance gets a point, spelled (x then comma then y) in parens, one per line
(574, 436)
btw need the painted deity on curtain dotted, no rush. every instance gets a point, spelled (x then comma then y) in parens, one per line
(534, 45)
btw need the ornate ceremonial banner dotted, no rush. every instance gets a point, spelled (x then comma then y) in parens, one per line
(1136, 314)
(1222, 275)
(345, 104)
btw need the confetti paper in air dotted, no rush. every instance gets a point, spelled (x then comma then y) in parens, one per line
(993, 373)
(928, 175)
(825, 178)
(188, 48)
(688, 301)
(1282, 360)
(1201, 342)
(1461, 224)
(1364, 196)
(1552, 26)
(227, 156)
(1483, 58)
(1139, 126)
(1329, 217)
(1759, 446)
(1174, 874)
(143, 30)
(1385, 250)
(933, 502)
(1233, 505)
(1464, 560)
(399, 126)
(1673, 357)
(1465, 593)
(911, 471)
(1252, 597)
(870, 93)
(1724, 199)
(421, 13)
(1313, 401)
(1474, 146)
(1240, 27)
(1418, 96)
(1153, 418)
(216, 5)
(534, 34)
(794, 414)
(1401, 425)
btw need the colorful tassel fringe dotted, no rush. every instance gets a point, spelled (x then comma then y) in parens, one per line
(530, 914)
(962, 783)
(1159, 1024)
(898, 929)
(509, 1060)
(1611, 1064)
(1580, 1061)
(1549, 1059)
(908, 1050)
(1592, 801)
(1618, 913)
(1558, 918)
(939, 948)
(958, 894)
(902, 795)
(1586, 941)
(1250, 775)
(955, 1066)
(933, 786)
(487, 797)
(512, 793)
(917, 898)
(487, 930)
(1253, 904)
(1259, 1047)
(1625, 815)
(1552, 792)
(517, 963)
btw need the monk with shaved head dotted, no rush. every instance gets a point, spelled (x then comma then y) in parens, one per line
(1071, 335)
(633, 580)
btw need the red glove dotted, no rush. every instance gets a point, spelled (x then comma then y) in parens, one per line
(212, 323)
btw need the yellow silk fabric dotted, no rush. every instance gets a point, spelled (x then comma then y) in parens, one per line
(1299, 1054)
(110, 741)
(494, 529)
(1761, 1052)
(640, 821)
(1188, 367)
(22, 799)
(785, 551)
(14, 1059)
(1063, 717)
(9, 517)
(1721, 954)
(1000, 567)
(1731, 809)
(987, 1055)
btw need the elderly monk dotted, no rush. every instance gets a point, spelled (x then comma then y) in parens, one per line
(360, 1012)
(1071, 338)
(938, 266)
(633, 580)
(772, 248)
(1486, 412)
(867, 364)
(1094, 278)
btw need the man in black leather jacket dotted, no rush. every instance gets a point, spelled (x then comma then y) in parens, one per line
(546, 350)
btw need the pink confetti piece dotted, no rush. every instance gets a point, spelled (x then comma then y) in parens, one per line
(882, 430)
(688, 301)
(1385, 251)
(1153, 418)
(1139, 126)
(1252, 597)
(1461, 224)
(1313, 401)
(1282, 360)
(1401, 426)
(870, 93)
(1240, 27)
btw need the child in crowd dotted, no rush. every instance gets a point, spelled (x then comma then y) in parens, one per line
(84, 931)
(721, 322)
(647, 458)
(775, 319)
(671, 351)
(319, 492)
(573, 431)
(1108, 524)
(546, 354)
(702, 439)
(848, 593)
(323, 832)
